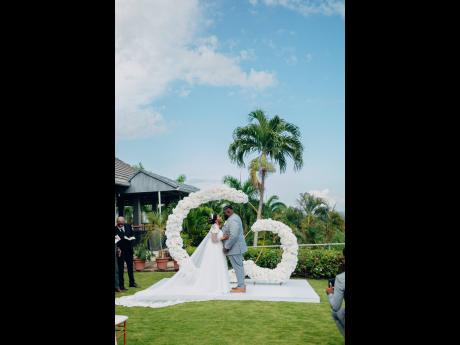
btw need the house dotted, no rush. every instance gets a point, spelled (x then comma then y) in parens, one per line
(136, 188)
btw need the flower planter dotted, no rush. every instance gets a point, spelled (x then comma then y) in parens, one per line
(139, 265)
(176, 265)
(162, 263)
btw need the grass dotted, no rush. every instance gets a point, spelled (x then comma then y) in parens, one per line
(229, 322)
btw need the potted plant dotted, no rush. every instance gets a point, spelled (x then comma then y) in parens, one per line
(176, 265)
(162, 259)
(141, 255)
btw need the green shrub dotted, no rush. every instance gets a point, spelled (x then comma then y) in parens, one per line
(190, 250)
(312, 263)
(317, 263)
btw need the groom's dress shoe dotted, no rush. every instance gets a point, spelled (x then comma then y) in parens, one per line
(237, 289)
(134, 285)
(117, 290)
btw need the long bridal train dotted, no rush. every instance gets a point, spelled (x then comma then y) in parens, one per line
(203, 277)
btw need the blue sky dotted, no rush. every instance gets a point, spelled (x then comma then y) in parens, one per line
(187, 80)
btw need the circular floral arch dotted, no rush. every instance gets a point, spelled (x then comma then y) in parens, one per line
(174, 242)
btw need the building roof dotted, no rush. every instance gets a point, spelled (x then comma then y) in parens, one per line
(124, 174)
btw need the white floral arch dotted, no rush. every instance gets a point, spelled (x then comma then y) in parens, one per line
(174, 242)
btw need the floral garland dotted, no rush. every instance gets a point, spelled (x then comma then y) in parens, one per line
(288, 263)
(193, 200)
(174, 242)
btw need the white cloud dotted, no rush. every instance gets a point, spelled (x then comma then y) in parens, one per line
(326, 195)
(291, 59)
(247, 54)
(159, 42)
(308, 7)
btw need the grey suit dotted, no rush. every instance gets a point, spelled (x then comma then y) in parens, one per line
(336, 299)
(236, 245)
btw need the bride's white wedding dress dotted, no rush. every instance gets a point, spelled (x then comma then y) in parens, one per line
(204, 277)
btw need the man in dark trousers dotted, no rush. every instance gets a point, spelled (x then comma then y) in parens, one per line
(125, 231)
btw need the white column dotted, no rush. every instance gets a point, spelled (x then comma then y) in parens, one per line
(159, 202)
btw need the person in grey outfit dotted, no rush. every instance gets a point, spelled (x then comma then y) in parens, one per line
(336, 295)
(234, 245)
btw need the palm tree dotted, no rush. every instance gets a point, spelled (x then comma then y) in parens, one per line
(273, 140)
(138, 166)
(313, 207)
(273, 207)
(181, 178)
(333, 223)
(156, 226)
(247, 214)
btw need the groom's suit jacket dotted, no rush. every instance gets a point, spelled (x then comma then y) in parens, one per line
(233, 227)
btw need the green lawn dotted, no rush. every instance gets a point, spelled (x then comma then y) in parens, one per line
(230, 322)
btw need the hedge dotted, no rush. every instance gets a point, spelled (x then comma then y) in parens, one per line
(313, 263)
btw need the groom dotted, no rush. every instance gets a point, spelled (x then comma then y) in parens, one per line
(234, 245)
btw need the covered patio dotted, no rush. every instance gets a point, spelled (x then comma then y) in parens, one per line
(137, 188)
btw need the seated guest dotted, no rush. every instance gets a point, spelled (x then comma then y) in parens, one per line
(336, 295)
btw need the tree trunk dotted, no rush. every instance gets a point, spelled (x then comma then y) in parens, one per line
(261, 204)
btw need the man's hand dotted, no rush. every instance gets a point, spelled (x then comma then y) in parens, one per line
(329, 290)
(118, 252)
(225, 237)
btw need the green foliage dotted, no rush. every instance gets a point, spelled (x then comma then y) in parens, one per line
(273, 138)
(313, 263)
(196, 224)
(141, 252)
(181, 178)
(269, 257)
(138, 166)
(273, 141)
(190, 249)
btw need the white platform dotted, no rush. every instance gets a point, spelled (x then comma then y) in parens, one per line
(294, 290)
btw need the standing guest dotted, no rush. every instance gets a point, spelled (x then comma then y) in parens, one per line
(125, 231)
(117, 253)
(336, 295)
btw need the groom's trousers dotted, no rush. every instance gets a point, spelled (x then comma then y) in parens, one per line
(237, 264)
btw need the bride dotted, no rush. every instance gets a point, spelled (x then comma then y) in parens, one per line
(205, 276)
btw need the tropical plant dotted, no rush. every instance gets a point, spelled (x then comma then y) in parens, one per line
(273, 207)
(272, 141)
(128, 214)
(157, 225)
(142, 252)
(138, 166)
(196, 224)
(333, 223)
(248, 213)
(181, 178)
(313, 207)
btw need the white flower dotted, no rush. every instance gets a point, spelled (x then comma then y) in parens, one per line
(289, 245)
(288, 263)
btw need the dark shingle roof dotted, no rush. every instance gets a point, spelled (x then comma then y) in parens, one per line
(125, 172)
